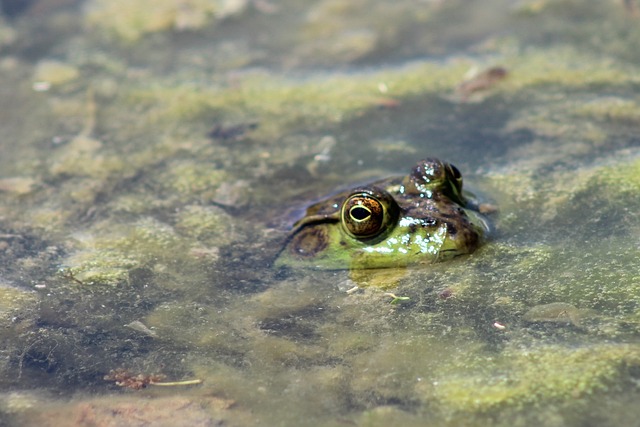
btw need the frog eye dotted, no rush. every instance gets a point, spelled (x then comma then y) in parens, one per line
(363, 215)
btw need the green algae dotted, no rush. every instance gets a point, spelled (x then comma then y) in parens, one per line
(385, 415)
(598, 189)
(130, 21)
(83, 157)
(335, 32)
(611, 110)
(7, 33)
(538, 376)
(285, 105)
(539, 67)
(130, 199)
(108, 257)
(307, 104)
(55, 72)
(622, 179)
(12, 299)
(374, 376)
(559, 273)
(206, 224)
(191, 181)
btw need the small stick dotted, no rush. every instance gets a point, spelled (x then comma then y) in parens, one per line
(176, 383)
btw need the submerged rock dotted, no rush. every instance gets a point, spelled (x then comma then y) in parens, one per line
(132, 411)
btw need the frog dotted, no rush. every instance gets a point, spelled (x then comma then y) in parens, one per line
(418, 219)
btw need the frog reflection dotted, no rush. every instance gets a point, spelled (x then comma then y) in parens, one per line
(395, 222)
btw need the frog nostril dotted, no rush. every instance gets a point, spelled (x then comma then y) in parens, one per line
(430, 222)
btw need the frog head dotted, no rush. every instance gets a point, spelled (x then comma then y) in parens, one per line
(394, 222)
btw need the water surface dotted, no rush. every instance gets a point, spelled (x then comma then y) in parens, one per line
(153, 155)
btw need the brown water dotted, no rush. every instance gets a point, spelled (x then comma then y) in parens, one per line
(153, 155)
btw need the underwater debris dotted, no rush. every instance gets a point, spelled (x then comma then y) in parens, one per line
(396, 299)
(68, 274)
(481, 81)
(17, 185)
(138, 326)
(125, 378)
(231, 132)
(631, 8)
(556, 312)
(446, 293)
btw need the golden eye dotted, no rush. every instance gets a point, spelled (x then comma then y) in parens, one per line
(363, 215)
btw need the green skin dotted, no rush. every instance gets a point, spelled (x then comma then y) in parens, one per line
(418, 219)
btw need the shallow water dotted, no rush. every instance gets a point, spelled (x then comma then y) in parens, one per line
(153, 155)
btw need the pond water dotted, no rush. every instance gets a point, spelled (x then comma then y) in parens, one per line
(154, 155)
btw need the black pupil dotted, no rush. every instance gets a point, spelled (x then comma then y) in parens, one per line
(359, 213)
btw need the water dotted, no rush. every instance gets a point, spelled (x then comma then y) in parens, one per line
(150, 168)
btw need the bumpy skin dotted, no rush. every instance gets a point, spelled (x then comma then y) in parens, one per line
(418, 219)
